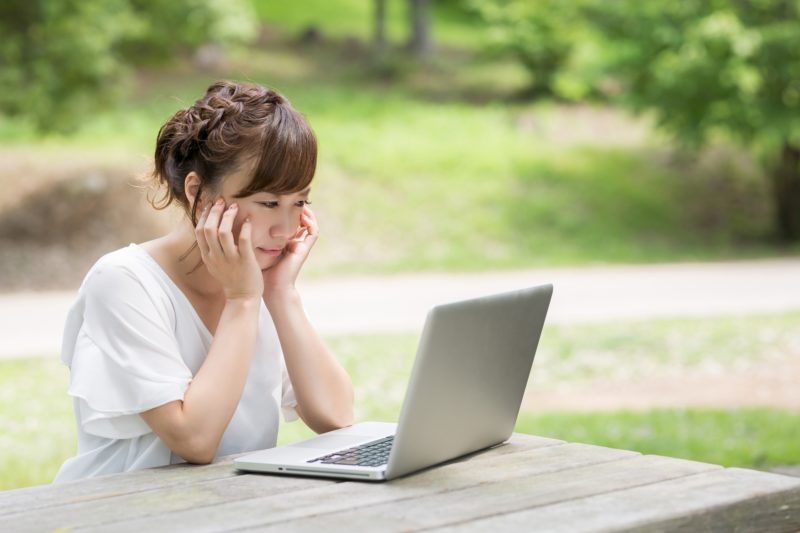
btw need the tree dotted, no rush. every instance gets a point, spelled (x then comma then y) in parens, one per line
(540, 34)
(420, 42)
(379, 34)
(60, 59)
(711, 68)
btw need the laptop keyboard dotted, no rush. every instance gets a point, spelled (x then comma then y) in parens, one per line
(375, 453)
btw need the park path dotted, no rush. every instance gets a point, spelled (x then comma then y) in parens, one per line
(31, 322)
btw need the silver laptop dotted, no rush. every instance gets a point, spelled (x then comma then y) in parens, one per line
(466, 388)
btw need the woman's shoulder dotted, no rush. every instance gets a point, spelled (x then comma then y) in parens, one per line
(120, 271)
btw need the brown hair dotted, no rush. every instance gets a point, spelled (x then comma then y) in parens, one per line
(234, 124)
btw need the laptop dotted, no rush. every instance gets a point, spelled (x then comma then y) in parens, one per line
(464, 395)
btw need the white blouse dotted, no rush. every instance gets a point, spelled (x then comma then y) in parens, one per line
(132, 342)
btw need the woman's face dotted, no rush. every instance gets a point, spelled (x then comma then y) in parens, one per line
(275, 218)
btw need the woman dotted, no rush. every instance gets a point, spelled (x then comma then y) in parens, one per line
(186, 347)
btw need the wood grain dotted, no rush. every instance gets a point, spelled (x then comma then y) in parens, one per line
(722, 500)
(528, 483)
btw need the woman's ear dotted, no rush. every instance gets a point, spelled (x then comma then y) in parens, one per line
(191, 186)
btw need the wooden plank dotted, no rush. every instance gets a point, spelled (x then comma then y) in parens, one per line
(158, 501)
(168, 489)
(348, 497)
(43, 496)
(727, 500)
(501, 495)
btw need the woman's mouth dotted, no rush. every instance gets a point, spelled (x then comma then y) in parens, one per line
(272, 252)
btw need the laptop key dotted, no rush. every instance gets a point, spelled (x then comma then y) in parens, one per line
(376, 452)
(346, 462)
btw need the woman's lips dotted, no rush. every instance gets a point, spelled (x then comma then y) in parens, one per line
(273, 252)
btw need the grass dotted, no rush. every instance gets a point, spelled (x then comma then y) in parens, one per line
(666, 347)
(36, 414)
(752, 438)
(408, 185)
(37, 429)
(438, 167)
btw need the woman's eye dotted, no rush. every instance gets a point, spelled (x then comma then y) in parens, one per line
(273, 204)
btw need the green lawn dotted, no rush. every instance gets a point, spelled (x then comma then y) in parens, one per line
(37, 433)
(440, 168)
(751, 438)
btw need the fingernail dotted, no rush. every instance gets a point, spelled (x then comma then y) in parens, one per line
(220, 201)
(205, 208)
(232, 207)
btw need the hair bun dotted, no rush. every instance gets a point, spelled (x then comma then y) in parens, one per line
(230, 122)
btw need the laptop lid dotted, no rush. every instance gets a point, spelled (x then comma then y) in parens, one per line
(469, 376)
(466, 387)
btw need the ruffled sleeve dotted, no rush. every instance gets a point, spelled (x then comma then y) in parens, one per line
(122, 352)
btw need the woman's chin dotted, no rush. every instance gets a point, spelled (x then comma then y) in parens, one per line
(265, 263)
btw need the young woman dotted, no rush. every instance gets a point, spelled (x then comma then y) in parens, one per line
(186, 347)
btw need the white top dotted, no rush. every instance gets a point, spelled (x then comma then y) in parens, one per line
(132, 342)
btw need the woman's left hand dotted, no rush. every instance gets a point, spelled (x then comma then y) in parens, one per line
(284, 273)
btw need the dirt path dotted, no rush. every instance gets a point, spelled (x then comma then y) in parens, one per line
(32, 322)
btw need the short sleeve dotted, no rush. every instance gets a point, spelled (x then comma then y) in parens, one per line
(125, 358)
(288, 400)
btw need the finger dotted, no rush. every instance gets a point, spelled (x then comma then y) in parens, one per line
(211, 228)
(310, 239)
(313, 226)
(199, 234)
(300, 233)
(225, 233)
(245, 241)
(308, 226)
(307, 235)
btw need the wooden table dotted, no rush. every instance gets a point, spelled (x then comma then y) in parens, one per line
(527, 484)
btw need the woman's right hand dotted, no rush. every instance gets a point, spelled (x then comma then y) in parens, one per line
(235, 267)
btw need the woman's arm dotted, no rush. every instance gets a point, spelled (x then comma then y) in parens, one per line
(322, 387)
(193, 427)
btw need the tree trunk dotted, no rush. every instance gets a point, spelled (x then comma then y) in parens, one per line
(420, 41)
(786, 181)
(379, 34)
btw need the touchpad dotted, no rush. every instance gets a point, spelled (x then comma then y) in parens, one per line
(332, 441)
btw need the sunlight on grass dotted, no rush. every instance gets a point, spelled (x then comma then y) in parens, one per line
(756, 438)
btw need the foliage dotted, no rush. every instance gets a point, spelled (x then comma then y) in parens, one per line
(541, 35)
(706, 69)
(716, 68)
(60, 59)
(710, 65)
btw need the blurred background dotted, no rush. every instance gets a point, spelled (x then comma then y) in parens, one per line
(470, 139)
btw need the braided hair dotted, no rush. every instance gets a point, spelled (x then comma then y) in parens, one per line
(234, 124)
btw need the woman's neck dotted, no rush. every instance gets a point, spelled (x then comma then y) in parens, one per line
(179, 255)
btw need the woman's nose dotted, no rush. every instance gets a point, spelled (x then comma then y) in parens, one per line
(283, 228)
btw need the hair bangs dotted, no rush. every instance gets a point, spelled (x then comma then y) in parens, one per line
(287, 158)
